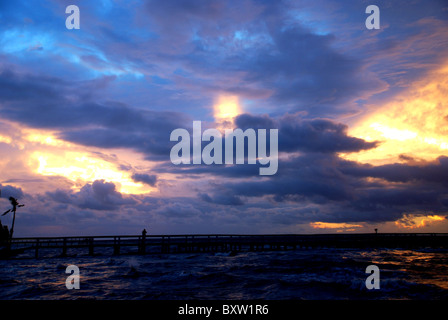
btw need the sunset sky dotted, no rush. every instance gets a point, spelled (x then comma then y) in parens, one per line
(86, 115)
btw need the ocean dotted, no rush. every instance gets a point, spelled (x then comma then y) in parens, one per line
(303, 274)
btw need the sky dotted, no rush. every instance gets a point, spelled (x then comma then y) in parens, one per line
(86, 116)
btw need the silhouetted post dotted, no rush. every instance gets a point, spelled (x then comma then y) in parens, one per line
(117, 245)
(143, 244)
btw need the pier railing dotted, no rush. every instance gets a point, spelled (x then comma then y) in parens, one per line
(226, 242)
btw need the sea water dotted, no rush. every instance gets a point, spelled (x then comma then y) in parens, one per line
(326, 273)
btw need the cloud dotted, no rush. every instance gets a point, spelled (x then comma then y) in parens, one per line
(305, 70)
(223, 199)
(314, 177)
(328, 182)
(150, 180)
(320, 136)
(11, 191)
(53, 103)
(414, 221)
(308, 135)
(430, 172)
(99, 195)
(178, 211)
(260, 47)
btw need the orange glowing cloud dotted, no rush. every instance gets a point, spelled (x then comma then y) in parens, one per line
(5, 139)
(41, 153)
(414, 123)
(82, 168)
(333, 225)
(225, 109)
(412, 221)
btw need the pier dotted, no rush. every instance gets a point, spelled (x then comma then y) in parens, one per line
(162, 244)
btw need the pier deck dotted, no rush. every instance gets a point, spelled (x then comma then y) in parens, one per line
(137, 244)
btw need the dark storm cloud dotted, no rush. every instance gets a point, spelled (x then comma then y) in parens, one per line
(53, 103)
(305, 68)
(149, 179)
(230, 171)
(314, 178)
(220, 198)
(435, 172)
(7, 191)
(315, 135)
(342, 191)
(99, 195)
(295, 134)
(377, 199)
(310, 177)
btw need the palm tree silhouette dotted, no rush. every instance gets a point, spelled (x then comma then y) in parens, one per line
(15, 205)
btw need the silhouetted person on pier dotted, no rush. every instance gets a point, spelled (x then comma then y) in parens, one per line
(143, 244)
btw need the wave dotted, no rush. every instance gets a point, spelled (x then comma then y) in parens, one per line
(300, 274)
